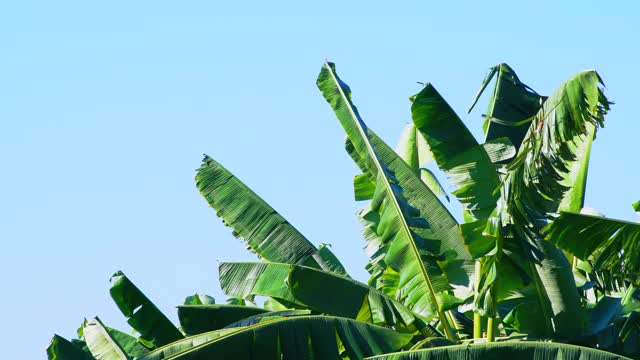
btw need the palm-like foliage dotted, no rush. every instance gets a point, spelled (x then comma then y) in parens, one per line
(524, 264)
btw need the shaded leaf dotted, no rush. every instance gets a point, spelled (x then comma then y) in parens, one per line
(505, 350)
(198, 319)
(611, 244)
(62, 349)
(511, 105)
(457, 152)
(304, 337)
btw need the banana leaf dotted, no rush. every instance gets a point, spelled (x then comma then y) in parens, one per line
(265, 231)
(505, 350)
(296, 338)
(154, 327)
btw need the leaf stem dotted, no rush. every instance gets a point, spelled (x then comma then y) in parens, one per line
(477, 318)
(491, 329)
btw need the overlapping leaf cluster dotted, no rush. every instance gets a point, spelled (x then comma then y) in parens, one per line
(524, 264)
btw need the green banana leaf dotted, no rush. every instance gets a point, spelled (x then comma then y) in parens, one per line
(106, 343)
(534, 187)
(412, 147)
(535, 179)
(268, 316)
(296, 338)
(457, 152)
(199, 299)
(198, 319)
(611, 244)
(185, 344)
(575, 179)
(521, 350)
(250, 279)
(443, 228)
(500, 150)
(511, 105)
(154, 327)
(265, 231)
(63, 349)
(399, 246)
(430, 179)
(415, 152)
(320, 291)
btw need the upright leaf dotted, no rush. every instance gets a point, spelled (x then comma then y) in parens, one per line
(457, 152)
(443, 228)
(402, 249)
(511, 106)
(154, 327)
(265, 231)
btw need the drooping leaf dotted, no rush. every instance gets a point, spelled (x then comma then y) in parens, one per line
(295, 338)
(268, 316)
(154, 327)
(175, 348)
(534, 187)
(535, 180)
(575, 179)
(249, 279)
(316, 290)
(611, 244)
(399, 244)
(511, 105)
(62, 349)
(604, 313)
(198, 319)
(363, 187)
(265, 231)
(505, 350)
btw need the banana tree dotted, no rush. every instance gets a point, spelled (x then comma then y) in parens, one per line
(524, 264)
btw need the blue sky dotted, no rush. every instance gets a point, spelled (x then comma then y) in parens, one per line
(107, 107)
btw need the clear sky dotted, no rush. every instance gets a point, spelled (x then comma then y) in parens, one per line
(107, 107)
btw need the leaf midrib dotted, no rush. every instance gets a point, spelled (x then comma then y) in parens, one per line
(394, 201)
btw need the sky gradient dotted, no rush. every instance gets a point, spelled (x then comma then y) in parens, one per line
(107, 108)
